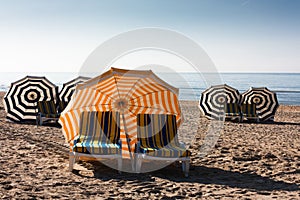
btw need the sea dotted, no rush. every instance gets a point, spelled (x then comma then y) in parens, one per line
(286, 85)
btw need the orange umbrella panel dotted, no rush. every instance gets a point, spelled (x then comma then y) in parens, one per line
(130, 92)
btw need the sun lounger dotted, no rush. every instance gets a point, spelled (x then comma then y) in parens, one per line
(46, 112)
(99, 137)
(233, 111)
(158, 140)
(61, 106)
(249, 112)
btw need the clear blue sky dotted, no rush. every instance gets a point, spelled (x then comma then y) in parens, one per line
(239, 35)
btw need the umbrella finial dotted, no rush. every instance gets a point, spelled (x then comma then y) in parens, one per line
(121, 104)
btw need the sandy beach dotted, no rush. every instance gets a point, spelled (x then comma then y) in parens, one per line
(249, 161)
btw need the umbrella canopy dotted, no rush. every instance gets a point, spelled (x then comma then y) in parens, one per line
(129, 92)
(68, 88)
(20, 102)
(265, 100)
(213, 100)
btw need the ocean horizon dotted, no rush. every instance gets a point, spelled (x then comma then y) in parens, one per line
(286, 85)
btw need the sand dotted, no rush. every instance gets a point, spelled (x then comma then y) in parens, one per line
(249, 161)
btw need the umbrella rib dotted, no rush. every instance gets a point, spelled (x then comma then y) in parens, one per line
(150, 93)
(117, 85)
(153, 108)
(133, 87)
(90, 106)
(130, 111)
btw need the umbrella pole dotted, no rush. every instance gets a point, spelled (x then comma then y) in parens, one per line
(128, 143)
(37, 119)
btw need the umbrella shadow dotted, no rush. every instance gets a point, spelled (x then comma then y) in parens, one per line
(243, 180)
(281, 123)
(198, 174)
(271, 122)
(104, 173)
(33, 123)
(56, 125)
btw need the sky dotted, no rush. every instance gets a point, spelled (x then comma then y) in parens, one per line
(238, 35)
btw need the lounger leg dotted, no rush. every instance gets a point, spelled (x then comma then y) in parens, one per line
(183, 166)
(76, 159)
(41, 121)
(120, 165)
(71, 161)
(37, 120)
(138, 165)
(186, 167)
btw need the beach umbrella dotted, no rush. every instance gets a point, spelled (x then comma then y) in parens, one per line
(212, 101)
(20, 102)
(68, 88)
(130, 92)
(265, 100)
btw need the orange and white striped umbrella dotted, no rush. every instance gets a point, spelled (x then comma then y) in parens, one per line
(129, 92)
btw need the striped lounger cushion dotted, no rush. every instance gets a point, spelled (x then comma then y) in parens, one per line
(99, 133)
(232, 109)
(47, 109)
(249, 110)
(157, 134)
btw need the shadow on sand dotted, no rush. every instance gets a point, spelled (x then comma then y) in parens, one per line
(199, 174)
(272, 123)
(282, 123)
